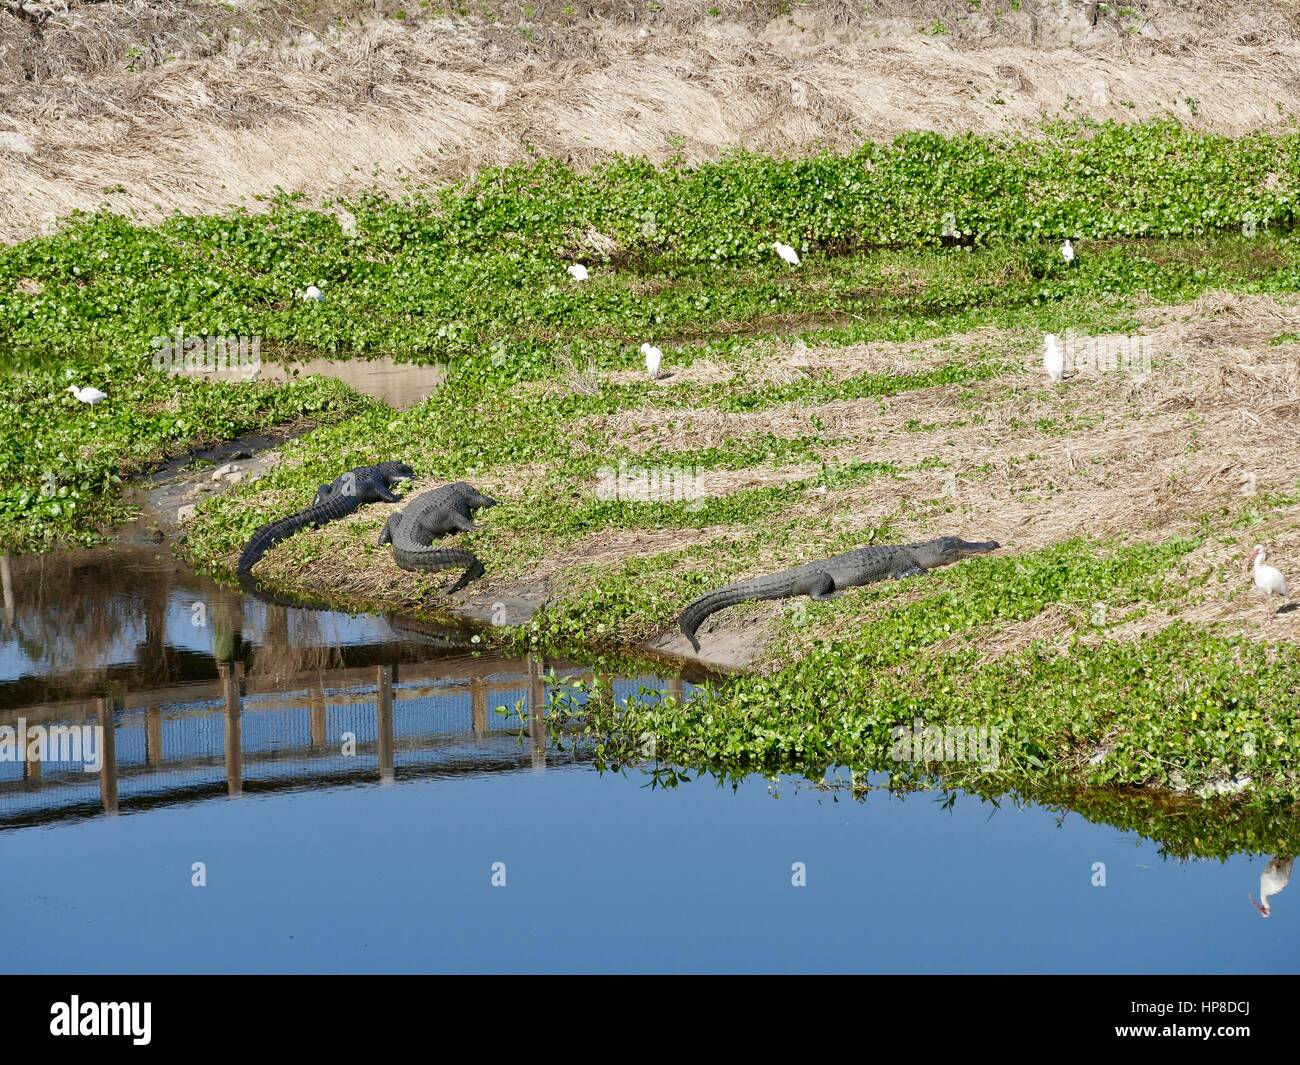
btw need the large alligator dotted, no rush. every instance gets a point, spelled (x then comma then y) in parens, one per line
(367, 484)
(820, 580)
(430, 516)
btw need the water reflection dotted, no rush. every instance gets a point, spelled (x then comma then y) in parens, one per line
(203, 691)
(1275, 877)
(399, 384)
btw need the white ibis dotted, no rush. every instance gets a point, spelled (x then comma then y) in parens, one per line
(787, 253)
(1268, 579)
(653, 358)
(313, 295)
(87, 394)
(1276, 876)
(1053, 360)
(1067, 252)
(578, 272)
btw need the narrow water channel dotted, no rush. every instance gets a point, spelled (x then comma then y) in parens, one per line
(352, 800)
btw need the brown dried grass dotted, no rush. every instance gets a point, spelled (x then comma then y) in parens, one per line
(290, 101)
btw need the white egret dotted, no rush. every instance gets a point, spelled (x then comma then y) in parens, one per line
(1268, 579)
(87, 394)
(1053, 360)
(1067, 252)
(578, 272)
(787, 253)
(313, 295)
(653, 358)
(1276, 876)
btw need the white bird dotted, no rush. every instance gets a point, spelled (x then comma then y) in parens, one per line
(87, 394)
(1276, 876)
(1067, 252)
(313, 295)
(578, 272)
(1053, 360)
(1268, 579)
(787, 253)
(653, 358)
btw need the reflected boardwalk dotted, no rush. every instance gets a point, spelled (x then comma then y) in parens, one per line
(258, 734)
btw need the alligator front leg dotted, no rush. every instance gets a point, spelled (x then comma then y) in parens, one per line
(386, 494)
(909, 568)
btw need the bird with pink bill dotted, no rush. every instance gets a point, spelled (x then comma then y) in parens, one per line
(1276, 876)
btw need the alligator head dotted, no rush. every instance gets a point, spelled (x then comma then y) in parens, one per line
(945, 550)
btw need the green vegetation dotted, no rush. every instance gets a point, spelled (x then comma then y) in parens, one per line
(474, 275)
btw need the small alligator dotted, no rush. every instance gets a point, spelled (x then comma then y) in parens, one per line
(820, 580)
(368, 484)
(430, 516)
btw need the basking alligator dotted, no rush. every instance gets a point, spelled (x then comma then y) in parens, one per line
(368, 484)
(435, 514)
(820, 580)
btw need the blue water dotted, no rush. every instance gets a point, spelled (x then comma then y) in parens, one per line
(605, 874)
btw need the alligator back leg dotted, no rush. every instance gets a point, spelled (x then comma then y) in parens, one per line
(436, 558)
(390, 527)
(821, 586)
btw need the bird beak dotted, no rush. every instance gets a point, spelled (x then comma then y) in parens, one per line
(1251, 559)
(1262, 912)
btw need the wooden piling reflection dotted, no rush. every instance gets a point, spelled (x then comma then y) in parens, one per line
(384, 706)
(153, 735)
(108, 756)
(231, 675)
(318, 718)
(478, 701)
(536, 709)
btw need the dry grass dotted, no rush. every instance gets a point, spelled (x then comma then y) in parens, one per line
(262, 97)
(1107, 454)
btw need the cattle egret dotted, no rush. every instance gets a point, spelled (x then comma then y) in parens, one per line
(313, 295)
(1067, 252)
(1268, 579)
(578, 272)
(1276, 876)
(787, 253)
(1053, 361)
(88, 394)
(653, 358)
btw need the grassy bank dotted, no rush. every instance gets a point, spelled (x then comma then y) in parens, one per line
(1113, 643)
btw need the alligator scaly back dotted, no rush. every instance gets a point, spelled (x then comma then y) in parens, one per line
(433, 515)
(820, 580)
(366, 484)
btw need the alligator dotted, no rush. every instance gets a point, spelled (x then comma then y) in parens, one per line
(820, 580)
(367, 484)
(430, 516)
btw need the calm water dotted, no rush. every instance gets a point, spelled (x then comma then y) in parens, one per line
(229, 726)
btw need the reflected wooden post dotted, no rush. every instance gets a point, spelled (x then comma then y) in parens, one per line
(232, 674)
(536, 708)
(318, 718)
(108, 756)
(385, 710)
(31, 767)
(676, 688)
(478, 700)
(7, 583)
(153, 735)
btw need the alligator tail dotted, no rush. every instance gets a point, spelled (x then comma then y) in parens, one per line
(269, 535)
(694, 615)
(434, 558)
